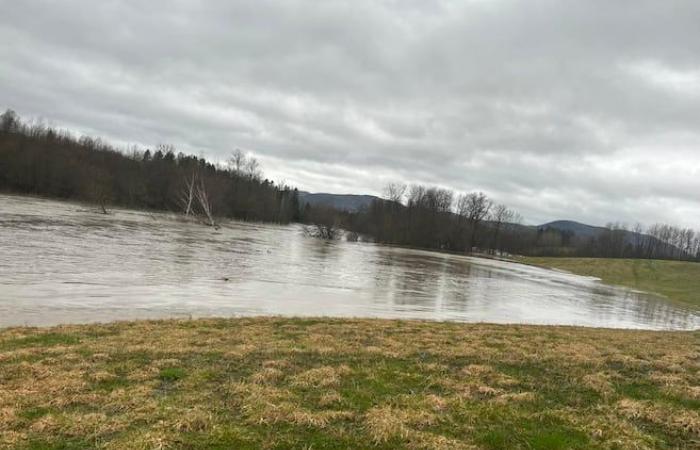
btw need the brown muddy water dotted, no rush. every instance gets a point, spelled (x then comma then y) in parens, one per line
(66, 263)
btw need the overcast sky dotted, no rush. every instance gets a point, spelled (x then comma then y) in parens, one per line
(586, 110)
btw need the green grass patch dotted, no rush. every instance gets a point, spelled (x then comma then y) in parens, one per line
(536, 435)
(111, 384)
(34, 412)
(172, 374)
(40, 340)
(56, 444)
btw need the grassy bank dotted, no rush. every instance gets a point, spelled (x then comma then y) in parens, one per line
(294, 383)
(676, 280)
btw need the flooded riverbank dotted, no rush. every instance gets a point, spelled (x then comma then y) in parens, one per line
(65, 263)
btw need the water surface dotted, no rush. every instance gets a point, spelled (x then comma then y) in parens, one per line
(66, 263)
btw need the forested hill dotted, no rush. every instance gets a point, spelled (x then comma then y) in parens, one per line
(341, 202)
(38, 160)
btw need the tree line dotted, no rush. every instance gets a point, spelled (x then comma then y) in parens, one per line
(36, 159)
(437, 218)
(39, 160)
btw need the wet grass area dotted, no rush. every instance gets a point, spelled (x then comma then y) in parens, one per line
(331, 383)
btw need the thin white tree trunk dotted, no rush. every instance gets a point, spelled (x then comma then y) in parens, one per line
(188, 195)
(203, 199)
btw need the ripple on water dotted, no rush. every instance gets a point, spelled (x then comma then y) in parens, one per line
(61, 263)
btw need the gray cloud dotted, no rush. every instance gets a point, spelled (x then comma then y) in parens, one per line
(561, 109)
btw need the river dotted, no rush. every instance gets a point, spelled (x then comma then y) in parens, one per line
(64, 262)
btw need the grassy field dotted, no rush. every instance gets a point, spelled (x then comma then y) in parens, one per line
(303, 383)
(676, 280)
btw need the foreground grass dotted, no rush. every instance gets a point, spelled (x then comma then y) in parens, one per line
(301, 383)
(676, 280)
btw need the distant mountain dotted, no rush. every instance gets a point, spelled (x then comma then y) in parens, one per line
(342, 202)
(584, 231)
(579, 229)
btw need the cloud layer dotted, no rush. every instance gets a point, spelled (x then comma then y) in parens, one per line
(560, 109)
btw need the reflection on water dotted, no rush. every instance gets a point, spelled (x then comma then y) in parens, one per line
(62, 262)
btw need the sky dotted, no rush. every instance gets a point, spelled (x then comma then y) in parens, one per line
(583, 110)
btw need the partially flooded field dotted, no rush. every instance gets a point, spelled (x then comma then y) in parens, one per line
(66, 263)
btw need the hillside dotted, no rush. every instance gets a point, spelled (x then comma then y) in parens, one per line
(579, 229)
(342, 202)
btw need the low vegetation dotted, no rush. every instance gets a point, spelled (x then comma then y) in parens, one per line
(677, 280)
(304, 383)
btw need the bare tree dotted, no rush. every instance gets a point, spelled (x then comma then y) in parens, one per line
(441, 200)
(188, 193)
(687, 235)
(500, 215)
(252, 168)
(473, 207)
(638, 231)
(244, 165)
(100, 188)
(394, 192)
(237, 161)
(416, 196)
(166, 148)
(203, 198)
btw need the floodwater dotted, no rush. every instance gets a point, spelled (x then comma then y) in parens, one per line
(66, 263)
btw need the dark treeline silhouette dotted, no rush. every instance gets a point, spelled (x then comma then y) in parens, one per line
(35, 159)
(436, 218)
(659, 241)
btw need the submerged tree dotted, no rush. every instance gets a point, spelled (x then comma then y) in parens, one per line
(204, 203)
(187, 194)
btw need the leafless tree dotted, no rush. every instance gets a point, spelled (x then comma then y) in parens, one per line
(244, 165)
(395, 192)
(416, 195)
(252, 168)
(638, 231)
(441, 200)
(204, 203)
(687, 236)
(237, 161)
(100, 188)
(499, 216)
(187, 194)
(474, 207)
(166, 148)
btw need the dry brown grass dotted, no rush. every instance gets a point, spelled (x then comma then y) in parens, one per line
(292, 383)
